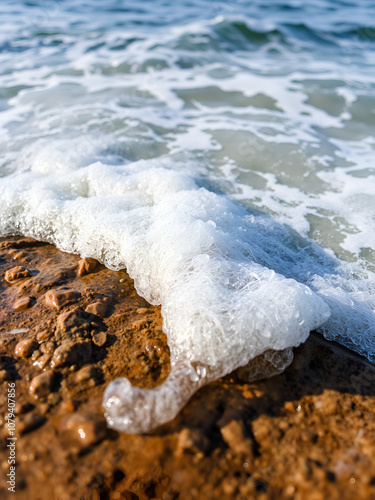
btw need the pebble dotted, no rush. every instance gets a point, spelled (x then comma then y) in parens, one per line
(97, 308)
(236, 437)
(43, 336)
(42, 361)
(61, 298)
(142, 310)
(87, 266)
(25, 348)
(139, 324)
(47, 347)
(22, 303)
(16, 273)
(88, 429)
(99, 338)
(71, 321)
(87, 373)
(71, 353)
(41, 385)
(4, 375)
(191, 441)
(29, 423)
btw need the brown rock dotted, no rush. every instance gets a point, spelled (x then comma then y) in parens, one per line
(87, 373)
(25, 348)
(42, 360)
(4, 375)
(29, 423)
(70, 322)
(61, 298)
(88, 429)
(22, 303)
(16, 273)
(235, 435)
(97, 308)
(41, 385)
(139, 324)
(191, 441)
(99, 338)
(87, 266)
(71, 353)
(43, 336)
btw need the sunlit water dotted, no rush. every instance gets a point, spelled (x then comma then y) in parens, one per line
(222, 152)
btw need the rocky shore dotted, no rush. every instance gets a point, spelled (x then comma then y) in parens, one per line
(68, 326)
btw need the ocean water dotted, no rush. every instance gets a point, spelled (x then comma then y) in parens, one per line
(221, 152)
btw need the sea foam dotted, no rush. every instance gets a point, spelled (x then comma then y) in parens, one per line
(233, 285)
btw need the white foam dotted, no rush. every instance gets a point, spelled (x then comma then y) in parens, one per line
(208, 262)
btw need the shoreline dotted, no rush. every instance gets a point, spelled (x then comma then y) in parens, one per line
(307, 433)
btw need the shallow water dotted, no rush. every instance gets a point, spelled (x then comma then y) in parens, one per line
(223, 153)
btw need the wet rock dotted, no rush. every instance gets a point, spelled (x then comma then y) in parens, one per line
(99, 338)
(86, 428)
(97, 308)
(87, 373)
(5, 375)
(139, 324)
(72, 353)
(22, 303)
(29, 423)
(67, 406)
(87, 266)
(71, 322)
(43, 336)
(191, 441)
(42, 360)
(16, 273)
(61, 298)
(41, 385)
(236, 437)
(47, 347)
(23, 407)
(25, 348)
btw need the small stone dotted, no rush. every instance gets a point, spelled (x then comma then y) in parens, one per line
(4, 375)
(71, 321)
(71, 353)
(87, 373)
(87, 266)
(88, 429)
(23, 408)
(43, 336)
(97, 308)
(142, 310)
(191, 441)
(99, 338)
(42, 361)
(67, 406)
(139, 324)
(47, 347)
(35, 355)
(235, 435)
(22, 303)
(29, 423)
(25, 348)
(61, 298)
(41, 385)
(16, 273)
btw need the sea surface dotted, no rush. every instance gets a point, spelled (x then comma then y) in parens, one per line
(223, 152)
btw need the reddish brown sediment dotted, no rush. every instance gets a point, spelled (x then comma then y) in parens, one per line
(308, 433)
